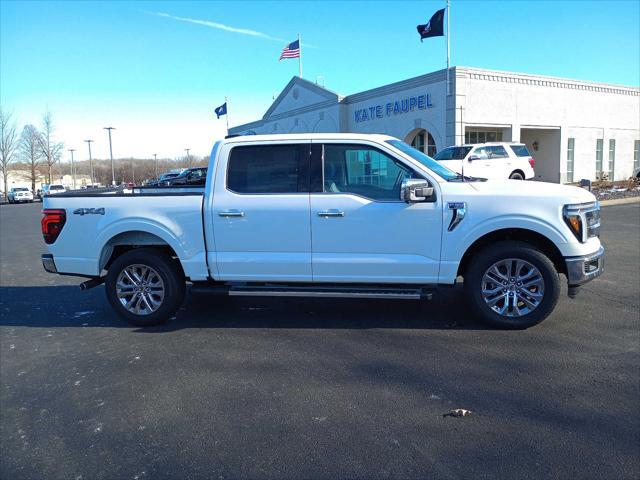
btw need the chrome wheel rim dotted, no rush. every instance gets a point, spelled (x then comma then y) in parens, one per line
(140, 289)
(512, 287)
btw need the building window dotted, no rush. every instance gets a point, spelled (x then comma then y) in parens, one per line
(419, 140)
(612, 159)
(599, 149)
(636, 159)
(482, 136)
(570, 153)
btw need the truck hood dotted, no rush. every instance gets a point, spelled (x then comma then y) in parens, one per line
(520, 189)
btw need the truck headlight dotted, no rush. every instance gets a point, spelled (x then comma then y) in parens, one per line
(583, 219)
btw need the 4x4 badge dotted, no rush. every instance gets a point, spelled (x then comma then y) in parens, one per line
(89, 211)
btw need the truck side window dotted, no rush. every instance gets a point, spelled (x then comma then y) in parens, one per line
(363, 171)
(267, 169)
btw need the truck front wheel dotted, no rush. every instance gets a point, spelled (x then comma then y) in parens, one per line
(145, 286)
(512, 285)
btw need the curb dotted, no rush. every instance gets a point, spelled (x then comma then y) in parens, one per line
(619, 201)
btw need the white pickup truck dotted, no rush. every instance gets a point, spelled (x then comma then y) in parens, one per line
(329, 215)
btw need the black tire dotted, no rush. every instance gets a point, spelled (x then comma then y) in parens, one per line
(486, 258)
(172, 280)
(516, 176)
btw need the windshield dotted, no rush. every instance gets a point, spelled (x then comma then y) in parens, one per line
(56, 187)
(425, 160)
(20, 189)
(453, 153)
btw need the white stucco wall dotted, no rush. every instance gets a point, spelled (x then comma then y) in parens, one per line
(582, 110)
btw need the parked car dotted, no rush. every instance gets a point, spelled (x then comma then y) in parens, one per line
(490, 160)
(162, 179)
(191, 176)
(19, 195)
(53, 189)
(386, 220)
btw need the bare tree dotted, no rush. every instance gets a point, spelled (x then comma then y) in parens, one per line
(50, 150)
(8, 144)
(30, 152)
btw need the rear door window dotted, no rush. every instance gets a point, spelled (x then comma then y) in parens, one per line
(495, 152)
(264, 169)
(520, 150)
(198, 176)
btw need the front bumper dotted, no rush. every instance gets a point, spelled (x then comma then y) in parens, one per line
(48, 263)
(581, 270)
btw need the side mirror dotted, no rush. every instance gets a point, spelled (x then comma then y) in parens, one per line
(474, 157)
(415, 190)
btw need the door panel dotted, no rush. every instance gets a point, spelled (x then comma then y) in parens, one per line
(384, 242)
(263, 236)
(360, 233)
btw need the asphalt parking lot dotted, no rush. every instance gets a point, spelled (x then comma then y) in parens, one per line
(287, 389)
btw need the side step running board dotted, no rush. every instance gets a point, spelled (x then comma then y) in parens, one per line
(402, 293)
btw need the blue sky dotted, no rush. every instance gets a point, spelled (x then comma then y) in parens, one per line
(157, 78)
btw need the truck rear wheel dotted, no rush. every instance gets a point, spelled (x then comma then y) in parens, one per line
(145, 286)
(516, 176)
(512, 285)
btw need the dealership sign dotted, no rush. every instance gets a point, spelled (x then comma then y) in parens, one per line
(405, 105)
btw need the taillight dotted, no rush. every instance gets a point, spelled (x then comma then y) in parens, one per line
(532, 162)
(52, 223)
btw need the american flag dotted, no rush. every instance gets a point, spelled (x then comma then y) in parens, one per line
(291, 51)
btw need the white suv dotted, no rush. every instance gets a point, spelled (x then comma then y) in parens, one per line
(53, 189)
(489, 160)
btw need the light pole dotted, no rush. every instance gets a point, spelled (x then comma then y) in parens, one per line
(73, 170)
(155, 158)
(188, 158)
(113, 170)
(90, 161)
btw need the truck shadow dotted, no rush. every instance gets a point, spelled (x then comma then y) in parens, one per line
(67, 306)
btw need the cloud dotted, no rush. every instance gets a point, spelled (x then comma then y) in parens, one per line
(226, 28)
(219, 26)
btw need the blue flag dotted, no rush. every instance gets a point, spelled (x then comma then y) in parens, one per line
(221, 110)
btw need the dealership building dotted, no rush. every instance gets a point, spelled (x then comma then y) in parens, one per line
(575, 129)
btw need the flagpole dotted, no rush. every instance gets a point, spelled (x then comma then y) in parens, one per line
(448, 44)
(227, 114)
(300, 57)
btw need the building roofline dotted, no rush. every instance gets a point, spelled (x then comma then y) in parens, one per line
(426, 79)
(533, 76)
(325, 92)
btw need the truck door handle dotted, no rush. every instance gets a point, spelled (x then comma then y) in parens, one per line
(231, 213)
(331, 213)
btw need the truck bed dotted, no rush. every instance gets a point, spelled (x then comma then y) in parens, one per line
(94, 218)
